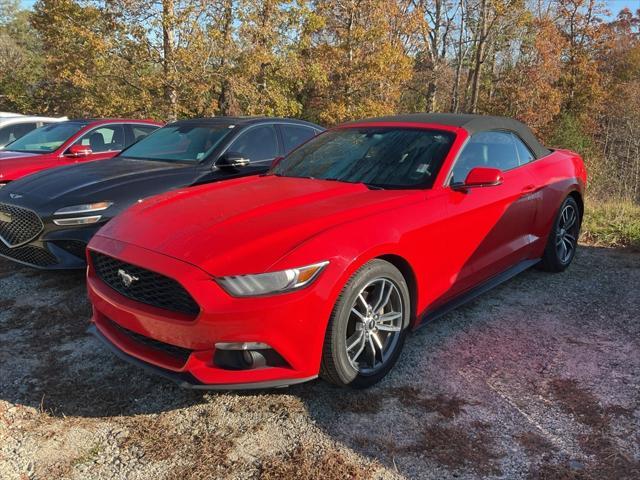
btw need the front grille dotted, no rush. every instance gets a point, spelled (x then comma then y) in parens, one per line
(18, 225)
(36, 256)
(172, 350)
(147, 287)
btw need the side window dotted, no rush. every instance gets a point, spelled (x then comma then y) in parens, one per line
(139, 132)
(104, 139)
(524, 154)
(257, 143)
(486, 149)
(294, 135)
(13, 132)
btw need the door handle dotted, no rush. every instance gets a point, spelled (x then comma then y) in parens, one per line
(529, 189)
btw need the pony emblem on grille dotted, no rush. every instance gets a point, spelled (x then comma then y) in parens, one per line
(126, 278)
(6, 217)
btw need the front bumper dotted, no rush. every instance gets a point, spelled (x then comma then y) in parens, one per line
(182, 348)
(59, 249)
(186, 380)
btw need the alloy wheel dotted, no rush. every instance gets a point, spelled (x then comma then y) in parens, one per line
(374, 325)
(567, 233)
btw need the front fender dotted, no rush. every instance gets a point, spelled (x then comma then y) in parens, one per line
(347, 249)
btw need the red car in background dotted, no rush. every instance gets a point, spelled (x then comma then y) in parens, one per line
(322, 266)
(69, 142)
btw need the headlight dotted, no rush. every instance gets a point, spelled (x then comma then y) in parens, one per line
(77, 220)
(272, 282)
(2, 185)
(84, 208)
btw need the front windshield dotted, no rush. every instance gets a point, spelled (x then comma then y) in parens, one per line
(179, 143)
(380, 157)
(45, 139)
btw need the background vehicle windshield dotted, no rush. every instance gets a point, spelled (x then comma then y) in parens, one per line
(179, 143)
(45, 139)
(383, 157)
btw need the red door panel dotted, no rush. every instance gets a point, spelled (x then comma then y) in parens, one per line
(493, 225)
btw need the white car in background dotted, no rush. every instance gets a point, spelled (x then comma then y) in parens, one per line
(13, 125)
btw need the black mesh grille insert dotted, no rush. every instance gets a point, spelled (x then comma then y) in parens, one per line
(36, 256)
(18, 225)
(145, 286)
(173, 350)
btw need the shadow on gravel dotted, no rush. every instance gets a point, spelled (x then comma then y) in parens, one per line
(535, 379)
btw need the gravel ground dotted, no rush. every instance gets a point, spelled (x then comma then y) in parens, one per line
(538, 379)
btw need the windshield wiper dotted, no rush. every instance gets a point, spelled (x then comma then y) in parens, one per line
(373, 186)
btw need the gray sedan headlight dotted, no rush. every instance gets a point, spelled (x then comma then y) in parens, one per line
(84, 208)
(80, 210)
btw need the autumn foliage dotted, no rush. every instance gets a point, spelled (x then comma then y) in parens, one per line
(568, 68)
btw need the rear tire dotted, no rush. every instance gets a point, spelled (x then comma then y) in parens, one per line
(563, 237)
(367, 327)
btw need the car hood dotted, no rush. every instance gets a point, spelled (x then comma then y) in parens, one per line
(16, 164)
(225, 227)
(107, 180)
(7, 155)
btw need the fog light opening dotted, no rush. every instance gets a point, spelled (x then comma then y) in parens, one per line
(254, 359)
(246, 356)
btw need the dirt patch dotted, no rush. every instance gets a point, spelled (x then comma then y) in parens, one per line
(303, 463)
(606, 458)
(447, 406)
(579, 402)
(534, 444)
(461, 448)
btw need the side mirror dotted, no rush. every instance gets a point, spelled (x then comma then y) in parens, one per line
(481, 177)
(77, 151)
(233, 160)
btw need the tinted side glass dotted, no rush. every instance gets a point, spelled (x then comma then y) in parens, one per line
(180, 142)
(524, 154)
(257, 143)
(294, 135)
(486, 149)
(104, 139)
(140, 131)
(13, 132)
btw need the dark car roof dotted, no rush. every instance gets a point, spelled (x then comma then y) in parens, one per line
(242, 121)
(471, 123)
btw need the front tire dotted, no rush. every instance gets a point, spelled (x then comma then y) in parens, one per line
(563, 237)
(367, 327)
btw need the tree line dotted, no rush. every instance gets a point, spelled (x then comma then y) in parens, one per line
(567, 68)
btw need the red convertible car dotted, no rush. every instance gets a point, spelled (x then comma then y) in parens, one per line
(69, 142)
(322, 265)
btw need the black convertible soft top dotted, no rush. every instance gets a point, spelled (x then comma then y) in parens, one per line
(472, 124)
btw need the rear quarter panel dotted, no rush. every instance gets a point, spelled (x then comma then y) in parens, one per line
(556, 176)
